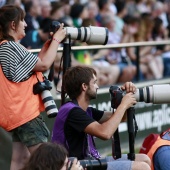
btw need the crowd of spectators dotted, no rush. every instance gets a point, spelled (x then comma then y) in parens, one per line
(126, 20)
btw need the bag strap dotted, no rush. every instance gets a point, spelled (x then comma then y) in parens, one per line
(91, 148)
(163, 133)
(3, 41)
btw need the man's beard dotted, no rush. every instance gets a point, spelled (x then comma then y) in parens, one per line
(91, 94)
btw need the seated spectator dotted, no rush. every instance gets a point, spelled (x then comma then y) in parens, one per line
(151, 64)
(116, 57)
(57, 10)
(79, 12)
(104, 7)
(45, 10)
(34, 39)
(51, 156)
(161, 33)
(33, 11)
(93, 11)
(118, 18)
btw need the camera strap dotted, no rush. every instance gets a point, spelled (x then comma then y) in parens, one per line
(44, 77)
(92, 152)
(51, 73)
(3, 41)
(135, 125)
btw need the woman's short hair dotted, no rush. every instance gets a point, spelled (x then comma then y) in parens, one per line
(48, 156)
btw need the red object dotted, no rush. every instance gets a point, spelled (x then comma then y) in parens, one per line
(148, 142)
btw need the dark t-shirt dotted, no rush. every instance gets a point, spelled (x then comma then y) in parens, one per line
(76, 122)
(32, 40)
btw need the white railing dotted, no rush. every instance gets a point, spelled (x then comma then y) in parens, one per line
(112, 46)
(121, 45)
(131, 44)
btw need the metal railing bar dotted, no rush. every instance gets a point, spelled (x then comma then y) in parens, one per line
(112, 46)
(108, 46)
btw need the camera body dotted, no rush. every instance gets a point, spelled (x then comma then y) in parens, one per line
(44, 88)
(90, 35)
(41, 86)
(116, 96)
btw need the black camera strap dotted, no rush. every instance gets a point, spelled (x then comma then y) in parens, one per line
(66, 64)
(51, 73)
(36, 76)
(44, 77)
(135, 125)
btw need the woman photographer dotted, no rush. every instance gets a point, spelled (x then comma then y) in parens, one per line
(19, 71)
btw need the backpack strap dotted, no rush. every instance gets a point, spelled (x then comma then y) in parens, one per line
(92, 152)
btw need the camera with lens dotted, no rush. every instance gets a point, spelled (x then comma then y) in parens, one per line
(89, 164)
(44, 88)
(90, 35)
(156, 94)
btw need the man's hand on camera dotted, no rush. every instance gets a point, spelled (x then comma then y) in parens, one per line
(129, 87)
(128, 100)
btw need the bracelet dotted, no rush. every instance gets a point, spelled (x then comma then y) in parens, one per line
(56, 40)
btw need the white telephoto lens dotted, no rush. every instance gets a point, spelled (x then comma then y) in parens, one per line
(49, 103)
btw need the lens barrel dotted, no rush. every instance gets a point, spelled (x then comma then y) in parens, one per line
(94, 164)
(49, 104)
(156, 94)
(90, 35)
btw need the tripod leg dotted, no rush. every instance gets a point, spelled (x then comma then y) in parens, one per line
(130, 113)
(66, 64)
(116, 150)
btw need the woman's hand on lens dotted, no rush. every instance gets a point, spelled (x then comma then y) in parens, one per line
(60, 34)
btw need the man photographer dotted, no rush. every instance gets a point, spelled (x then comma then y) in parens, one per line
(76, 123)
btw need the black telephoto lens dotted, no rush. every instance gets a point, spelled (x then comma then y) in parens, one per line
(99, 164)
